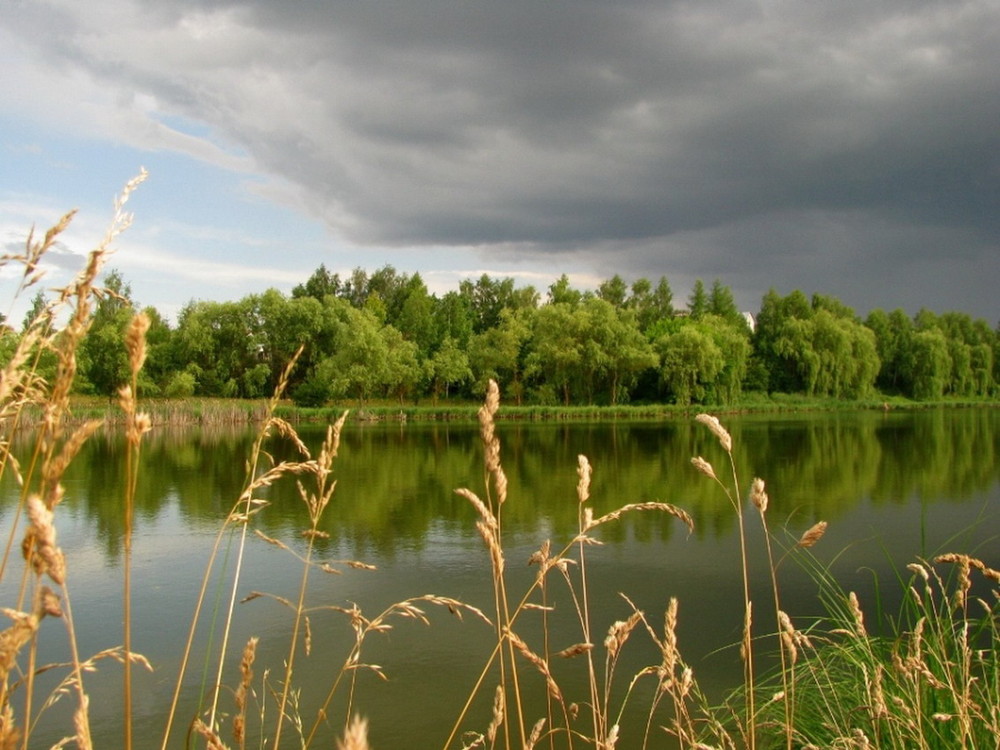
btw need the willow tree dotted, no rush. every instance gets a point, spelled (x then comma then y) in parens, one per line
(689, 363)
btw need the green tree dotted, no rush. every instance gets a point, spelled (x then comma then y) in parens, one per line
(556, 351)
(103, 348)
(615, 351)
(561, 293)
(732, 337)
(390, 287)
(37, 312)
(448, 366)
(487, 299)
(321, 284)
(415, 318)
(721, 302)
(689, 362)
(498, 353)
(159, 365)
(613, 291)
(219, 343)
(651, 305)
(360, 363)
(403, 370)
(698, 301)
(931, 364)
(453, 317)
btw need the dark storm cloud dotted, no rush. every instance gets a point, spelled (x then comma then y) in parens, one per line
(788, 144)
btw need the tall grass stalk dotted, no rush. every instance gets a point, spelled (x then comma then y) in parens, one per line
(604, 717)
(734, 495)
(136, 425)
(51, 456)
(246, 506)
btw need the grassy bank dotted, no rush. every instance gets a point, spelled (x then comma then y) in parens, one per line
(217, 411)
(223, 411)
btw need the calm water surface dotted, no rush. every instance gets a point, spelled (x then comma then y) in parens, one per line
(892, 487)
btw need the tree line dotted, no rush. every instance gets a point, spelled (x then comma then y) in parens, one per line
(383, 335)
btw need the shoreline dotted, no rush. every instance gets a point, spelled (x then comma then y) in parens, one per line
(198, 411)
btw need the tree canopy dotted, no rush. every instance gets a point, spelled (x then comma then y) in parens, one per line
(384, 335)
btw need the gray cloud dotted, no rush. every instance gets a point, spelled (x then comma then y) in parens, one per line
(845, 147)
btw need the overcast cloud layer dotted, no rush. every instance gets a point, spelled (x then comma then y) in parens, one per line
(851, 148)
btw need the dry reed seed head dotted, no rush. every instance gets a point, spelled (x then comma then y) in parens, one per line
(487, 411)
(861, 739)
(812, 535)
(135, 341)
(757, 495)
(14, 638)
(716, 428)
(964, 582)
(53, 470)
(857, 614)
(687, 681)
(143, 423)
(239, 729)
(540, 664)
(126, 400)
(498, 713)
(338, 427)
(10, 735)
(212, 739)
(788, 637)
(484, 513)
(612, 738)
(575, 650)
(678, 513)
(493, 545)
(47, 603)
(747, 642)
(920, 570)
(285, 429)
(541, 555)
(81, 723)
(535, 735)
(877, 695)
(246, 671)
(619, 632)
(492, 401)
(500, 482)
(583, 471)
(670, 651)
(703, 466)
(40, 542)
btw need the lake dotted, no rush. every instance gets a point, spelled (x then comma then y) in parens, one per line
(893, 486)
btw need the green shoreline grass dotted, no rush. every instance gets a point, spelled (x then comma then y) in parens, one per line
(217, 411)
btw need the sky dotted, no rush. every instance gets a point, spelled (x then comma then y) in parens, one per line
(849, 149)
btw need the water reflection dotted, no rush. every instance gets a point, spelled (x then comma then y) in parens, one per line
(892, 486)
(396, 482)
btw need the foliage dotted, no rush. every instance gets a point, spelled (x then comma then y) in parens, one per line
(621, 343)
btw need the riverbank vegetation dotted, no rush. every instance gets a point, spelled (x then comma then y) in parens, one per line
(382, 338)
(932, 680)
